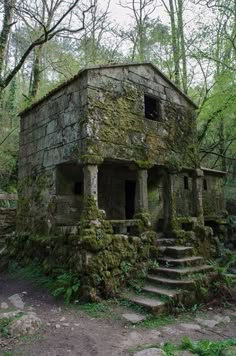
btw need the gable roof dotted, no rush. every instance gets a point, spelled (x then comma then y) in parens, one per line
(104, 66)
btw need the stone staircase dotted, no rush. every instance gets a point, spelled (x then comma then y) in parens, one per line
(173, 282)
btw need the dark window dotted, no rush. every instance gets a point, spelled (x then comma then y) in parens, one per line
(78, 188)
(130, 187)
(204, 184)
(152, 108)
(186, 184)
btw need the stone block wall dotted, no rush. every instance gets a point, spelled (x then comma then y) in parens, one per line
(51, 134)
(7, 220)
(116, 121)
(213, 195)
(97, 116)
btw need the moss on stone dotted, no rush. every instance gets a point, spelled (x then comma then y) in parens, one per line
(141, 164)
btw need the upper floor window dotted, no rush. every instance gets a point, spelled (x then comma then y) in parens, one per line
(205, 184)
(152, 108)
(186, 182)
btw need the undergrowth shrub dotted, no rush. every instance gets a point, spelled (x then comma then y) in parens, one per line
(200, 348)
(62, 284)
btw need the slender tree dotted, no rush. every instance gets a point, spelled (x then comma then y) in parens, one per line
(57, 19)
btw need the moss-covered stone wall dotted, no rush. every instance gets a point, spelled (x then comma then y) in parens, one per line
(99, 116)
(35, 209)
(213, 195)
(51, 134)
(116, 124)
(183, 191)
(102, 260)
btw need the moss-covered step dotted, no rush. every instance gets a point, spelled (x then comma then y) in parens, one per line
(181, 262)
(171, 283)
(161, 291)
(154, 305)
(165, 242)
(180, 273)
(178, 251)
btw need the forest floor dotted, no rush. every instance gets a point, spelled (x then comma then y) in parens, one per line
(100, 329)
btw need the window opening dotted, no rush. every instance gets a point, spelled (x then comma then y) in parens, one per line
(152, 108)
(186, 183)
(204, 184)
(78, 188)
(130, 188)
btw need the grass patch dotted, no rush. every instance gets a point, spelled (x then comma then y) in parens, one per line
(153, 323)
(206, 347)
(200, 348)
(96, 310)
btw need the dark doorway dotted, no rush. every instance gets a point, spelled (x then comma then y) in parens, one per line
(130, 186)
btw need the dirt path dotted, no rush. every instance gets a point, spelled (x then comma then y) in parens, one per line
(71, 331)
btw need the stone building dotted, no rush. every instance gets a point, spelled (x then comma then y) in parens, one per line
(116, 143)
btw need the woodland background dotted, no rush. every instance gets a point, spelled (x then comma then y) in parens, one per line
(45, 42)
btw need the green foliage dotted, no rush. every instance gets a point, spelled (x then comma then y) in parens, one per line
(125, 267)
(63, 283)
(216, 123)
(136, 285)
(200, 348)
(157, 322)
(9, 141)
(4, 323)
(67, 285)
(206, 347)
(153, 264)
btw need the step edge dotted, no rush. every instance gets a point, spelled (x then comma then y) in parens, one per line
(183, 270)
(170, 280)
(162, 291)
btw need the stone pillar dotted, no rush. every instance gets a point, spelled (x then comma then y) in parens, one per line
(91, 182)
(197, 195)
(142, 192)
(171, 201)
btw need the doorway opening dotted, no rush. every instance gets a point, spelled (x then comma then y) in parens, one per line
(130, 188)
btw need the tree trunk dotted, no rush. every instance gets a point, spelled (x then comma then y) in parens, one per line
(175, 43)
(222, 145)
(6, 28)
(182, 45)
(36, 72)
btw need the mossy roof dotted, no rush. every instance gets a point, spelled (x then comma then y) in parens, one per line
(213, 172)
(105, 66)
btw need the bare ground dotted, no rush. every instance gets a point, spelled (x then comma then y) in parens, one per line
(72, 331)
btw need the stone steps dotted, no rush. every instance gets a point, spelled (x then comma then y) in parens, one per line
(172, 283)
(165, 242)
(180, 273)
(155, 306)
(181, 262)
(179, 251)
(159, 291)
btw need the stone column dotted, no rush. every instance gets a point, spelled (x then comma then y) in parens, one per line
(171, 201)
(91, 182)
(142, 192)
(197, 195)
